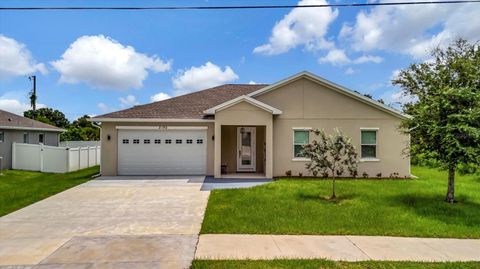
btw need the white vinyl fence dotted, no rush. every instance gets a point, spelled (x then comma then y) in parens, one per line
(79, 144)
(53, 159)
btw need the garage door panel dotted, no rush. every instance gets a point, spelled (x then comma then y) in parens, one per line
(162, 158)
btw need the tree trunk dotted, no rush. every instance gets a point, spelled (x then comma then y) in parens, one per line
(450, 198)
(333, 194)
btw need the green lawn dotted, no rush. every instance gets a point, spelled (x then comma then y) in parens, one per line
(21, 188)
(364, 207)
(325, 264)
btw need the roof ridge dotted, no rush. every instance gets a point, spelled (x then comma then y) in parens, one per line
(189, 95)
(190, 104)
(207, 89)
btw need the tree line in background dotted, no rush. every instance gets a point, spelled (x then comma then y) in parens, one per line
(79, 130)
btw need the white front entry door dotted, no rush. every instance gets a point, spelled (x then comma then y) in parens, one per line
(246, 149)
(158, 152)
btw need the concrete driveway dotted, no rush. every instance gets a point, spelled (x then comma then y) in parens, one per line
(120, 222)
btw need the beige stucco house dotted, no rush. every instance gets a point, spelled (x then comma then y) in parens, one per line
(255, 130)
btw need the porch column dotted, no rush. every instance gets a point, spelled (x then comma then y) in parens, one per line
(217, 156)
(269, 149)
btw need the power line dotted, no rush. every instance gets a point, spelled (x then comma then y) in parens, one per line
(239, 7)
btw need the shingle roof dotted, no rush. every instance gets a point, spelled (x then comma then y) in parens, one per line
(12, 121)
(189, 106)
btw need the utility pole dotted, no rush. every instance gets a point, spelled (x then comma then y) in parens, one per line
(33, 93)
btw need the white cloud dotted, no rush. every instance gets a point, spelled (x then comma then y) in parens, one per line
(412, 30)
(251, 82)
(202, 77)
(159, 97)
(396, 98)
(16, 59)
(105, 63)
(367, 59)
(339, 57)
(400, 98)
(15, 106)
(335, 57)
(128, 101)
(394, 74)
(302, 26)
(350, 71)
(103, 107)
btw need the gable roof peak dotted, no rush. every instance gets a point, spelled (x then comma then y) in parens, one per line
(334, 86)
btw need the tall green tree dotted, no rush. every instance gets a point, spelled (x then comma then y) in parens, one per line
(446, 113)
(49, 116)
(81, 130)
(92, 131)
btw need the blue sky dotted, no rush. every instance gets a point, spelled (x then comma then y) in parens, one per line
(175, 52)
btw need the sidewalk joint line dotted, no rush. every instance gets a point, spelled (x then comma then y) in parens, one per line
(275, 242)
(436, 250)
(361, 250)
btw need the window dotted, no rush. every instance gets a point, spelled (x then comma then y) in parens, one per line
(157, 141)
(189, 141)
(300, 138)
(125, 141)
(41, 138)
(1, 137)
(25, 138)
(136, 141)
(168, 141)
(369, 144)
(199, 141)
(146, 141)
(178, 141)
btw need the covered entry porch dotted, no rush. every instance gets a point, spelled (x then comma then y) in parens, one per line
(243, 139)
(243, 151)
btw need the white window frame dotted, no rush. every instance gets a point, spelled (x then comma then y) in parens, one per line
(294, 129)
(369, 159)
(27, 136)
(2, 136)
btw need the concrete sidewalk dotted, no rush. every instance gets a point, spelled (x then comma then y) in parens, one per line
(345, 248)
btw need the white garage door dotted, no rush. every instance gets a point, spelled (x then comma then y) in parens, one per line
(162, 152)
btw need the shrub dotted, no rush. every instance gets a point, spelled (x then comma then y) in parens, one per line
(331, 153)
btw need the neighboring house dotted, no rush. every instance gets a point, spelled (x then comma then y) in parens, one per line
(15, 128)
(257, 129)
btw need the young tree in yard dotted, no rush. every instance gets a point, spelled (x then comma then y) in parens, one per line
(331, 154)
(446, 113)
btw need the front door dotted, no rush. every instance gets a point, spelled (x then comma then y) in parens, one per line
(246, 149)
